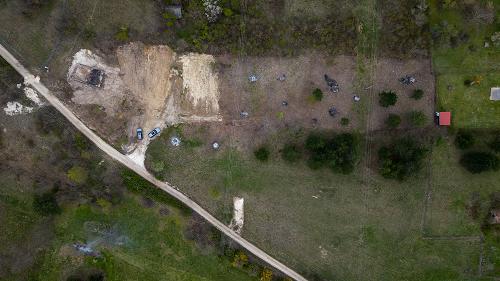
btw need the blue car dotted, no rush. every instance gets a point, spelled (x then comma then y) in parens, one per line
(139, 134)
(154, 132)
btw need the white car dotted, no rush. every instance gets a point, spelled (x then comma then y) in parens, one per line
(153, 133)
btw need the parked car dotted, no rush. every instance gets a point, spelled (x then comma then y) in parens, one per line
(139, 134)
(154, 132)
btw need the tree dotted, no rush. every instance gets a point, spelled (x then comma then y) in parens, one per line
(495, 144)
(339, 153)
(417, 118)
(262, 154)
(96, 277)
(464, 140)
(317, 94)
(46, 204)
(401, 159)
(417, 94)
(387, 98)
(393, 121)
(290, 153)
(478, 162)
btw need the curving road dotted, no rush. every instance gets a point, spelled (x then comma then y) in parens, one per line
(115, 154)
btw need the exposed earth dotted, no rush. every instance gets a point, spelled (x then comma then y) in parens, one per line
(152, 86)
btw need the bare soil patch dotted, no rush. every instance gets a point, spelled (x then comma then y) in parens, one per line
(150, 87)
(388, 71)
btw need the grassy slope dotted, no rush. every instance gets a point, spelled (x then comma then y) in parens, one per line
(156, 250)
(368, 234)
(470, 106)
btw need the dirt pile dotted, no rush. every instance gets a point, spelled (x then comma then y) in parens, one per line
(151, 87)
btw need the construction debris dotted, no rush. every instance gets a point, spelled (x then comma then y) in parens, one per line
(356, 98)
(332, 84)
(407, 80)
(253, 78)
(282, 77)
(284, 103)
(85, 249)
(244, 114)
(238, 215)
(15, 108)
(175, 10)
(332, 111)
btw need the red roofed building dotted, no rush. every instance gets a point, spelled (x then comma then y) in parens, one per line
(444, 118)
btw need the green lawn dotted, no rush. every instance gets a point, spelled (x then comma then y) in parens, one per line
(155, 247)
(357, 229)
(470, 106)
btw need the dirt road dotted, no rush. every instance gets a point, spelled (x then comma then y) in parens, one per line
(36, 84)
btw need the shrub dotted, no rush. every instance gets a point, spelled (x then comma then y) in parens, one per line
(417, 94)
(401, 159)
(122, 34)
(464, 140)
(344, 121)
(240, 259)
(387, 98)
(227, 12)
(478, 162)
(77, 174)
(468, 82)
(81, 142)
(495, 144)
(158, 166)
(339, 153)
(417, 118)
(393, 121)
(96, 277)
(136, 184)
(266, 275)
(290, 153)
(317, 94)
(46, 204)
(262, 154)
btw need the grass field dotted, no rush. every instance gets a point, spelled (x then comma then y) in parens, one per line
(470, 106)
(325, 225)
(149, 239)
(352, 231)
(155, 248)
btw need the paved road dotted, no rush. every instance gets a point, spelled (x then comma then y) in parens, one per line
(115, 154)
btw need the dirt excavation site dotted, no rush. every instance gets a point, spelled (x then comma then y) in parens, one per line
(149, 87)
(238, 101)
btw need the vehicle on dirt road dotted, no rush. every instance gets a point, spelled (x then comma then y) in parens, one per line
(153, 133)
(139, 133)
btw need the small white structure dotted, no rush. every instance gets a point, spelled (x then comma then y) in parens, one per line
(253, 78)
(215, 145)
(175, 141)
(495, 94)
(238, 215)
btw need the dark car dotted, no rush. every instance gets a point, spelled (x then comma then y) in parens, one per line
(154, 132)
(139, 134)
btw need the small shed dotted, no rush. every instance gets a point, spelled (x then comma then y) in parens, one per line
(444, 118)
(495, 94)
